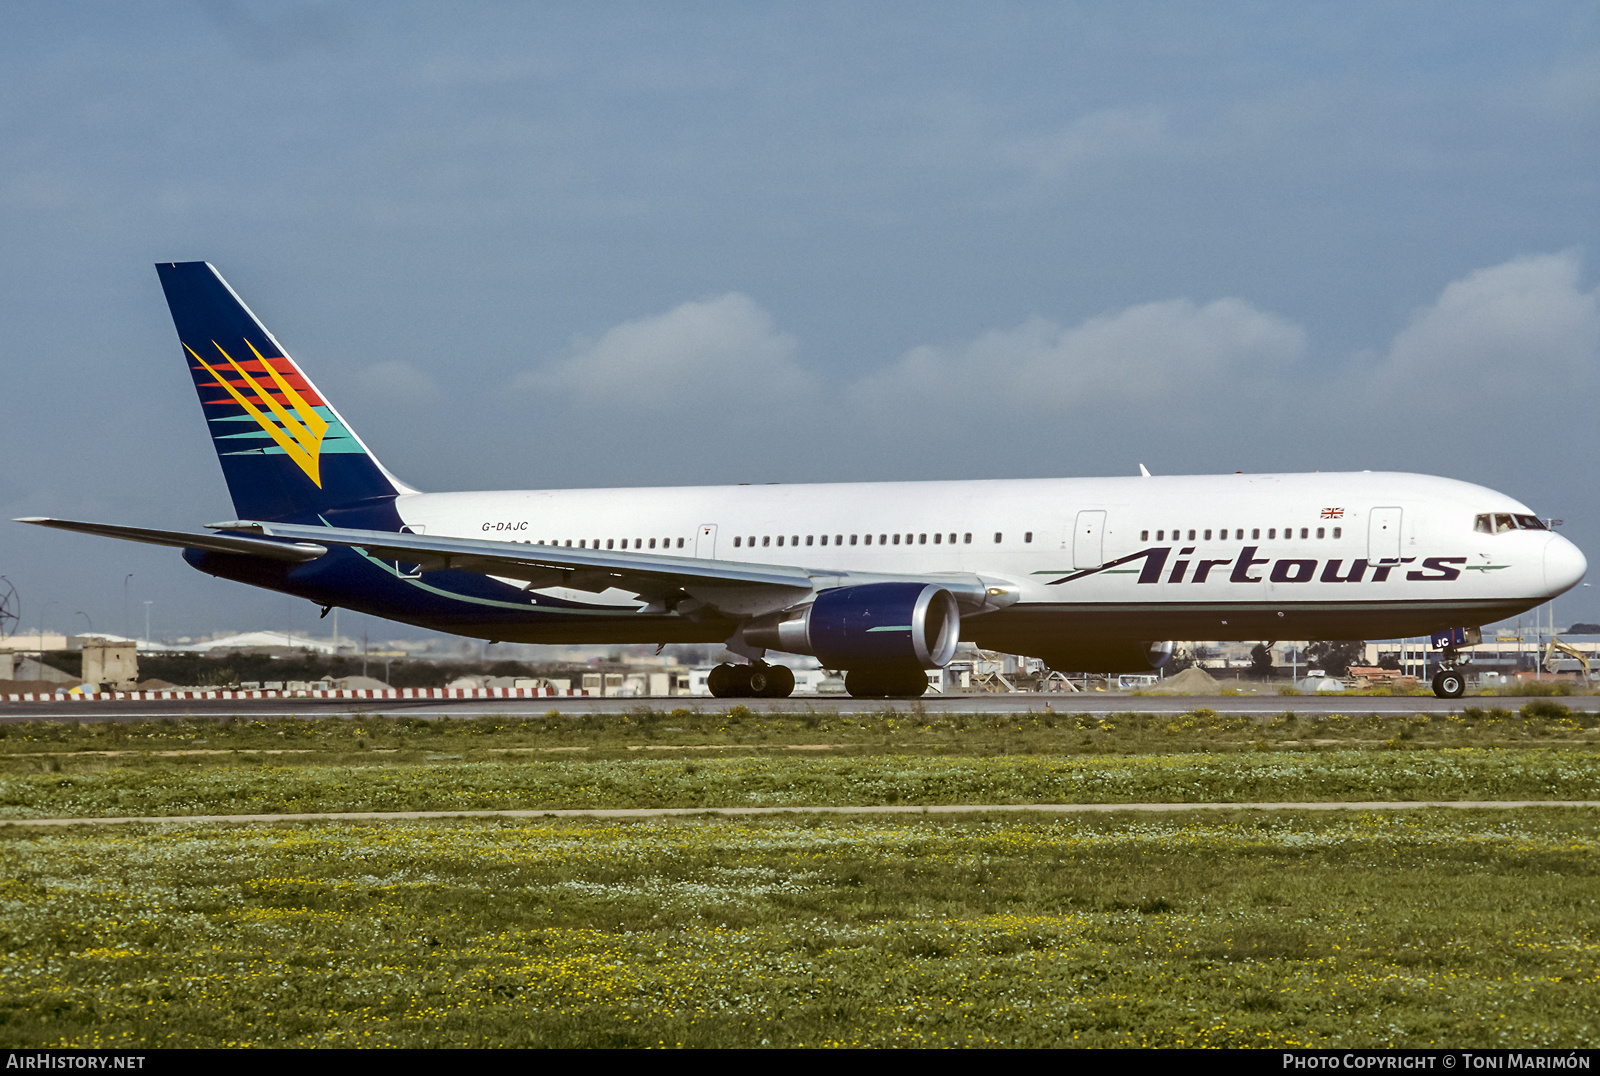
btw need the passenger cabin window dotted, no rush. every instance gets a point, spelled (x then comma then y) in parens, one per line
(996, 537)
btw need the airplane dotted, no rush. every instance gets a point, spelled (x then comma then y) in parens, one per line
(881, 580)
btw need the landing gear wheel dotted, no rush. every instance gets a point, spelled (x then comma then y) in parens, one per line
(759, 679)
(886, 683)
(724, 682)
(1449, 684)
(771, 681)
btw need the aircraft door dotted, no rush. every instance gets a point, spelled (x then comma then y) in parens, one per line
(1088, 540)
(1383, 536)
(705, 543)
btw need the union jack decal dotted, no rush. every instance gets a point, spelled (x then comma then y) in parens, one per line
(1333, 513)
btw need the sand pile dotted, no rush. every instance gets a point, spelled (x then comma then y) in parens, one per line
(1191, 681)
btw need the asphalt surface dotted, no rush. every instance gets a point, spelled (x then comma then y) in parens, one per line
(1261, 706)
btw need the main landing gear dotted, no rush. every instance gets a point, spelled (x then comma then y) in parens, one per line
(755, 681)
(886, 683)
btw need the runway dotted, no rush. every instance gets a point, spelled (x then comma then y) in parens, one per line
(1256, 706)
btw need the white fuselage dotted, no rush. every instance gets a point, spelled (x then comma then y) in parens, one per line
(1219, 557)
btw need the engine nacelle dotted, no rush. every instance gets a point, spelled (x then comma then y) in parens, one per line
(876, 625)
(1109, 656)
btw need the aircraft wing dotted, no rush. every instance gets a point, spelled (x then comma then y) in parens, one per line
(293, 552)
(734, 587)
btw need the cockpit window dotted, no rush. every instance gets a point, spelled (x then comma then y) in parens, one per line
(1500, 522)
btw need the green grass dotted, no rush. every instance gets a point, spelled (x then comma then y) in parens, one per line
(375, 739)
(179, 787)
(739, 758)
(1247, 929)
(1227, 928)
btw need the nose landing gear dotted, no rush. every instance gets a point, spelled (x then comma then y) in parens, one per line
(1449, 684)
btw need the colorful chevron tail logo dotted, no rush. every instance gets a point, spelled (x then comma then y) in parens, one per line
(299, 433)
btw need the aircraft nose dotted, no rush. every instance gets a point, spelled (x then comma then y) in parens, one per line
(1564, 565)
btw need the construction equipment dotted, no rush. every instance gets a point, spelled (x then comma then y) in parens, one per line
(1556, 646)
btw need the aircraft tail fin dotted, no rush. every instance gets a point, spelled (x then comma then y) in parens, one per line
(285, 452)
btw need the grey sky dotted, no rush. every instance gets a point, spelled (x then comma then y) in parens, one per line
(567, 245)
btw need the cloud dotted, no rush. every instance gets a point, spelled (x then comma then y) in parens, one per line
(1521, 330)
(1182, 385)
(1109, 135)
(721, 357)
(1171, 351)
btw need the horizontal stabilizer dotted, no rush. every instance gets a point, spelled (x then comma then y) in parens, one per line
(294, 553)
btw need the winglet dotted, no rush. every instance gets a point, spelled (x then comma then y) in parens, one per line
(1143, 471)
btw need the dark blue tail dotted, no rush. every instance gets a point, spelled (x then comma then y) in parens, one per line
(286, 453)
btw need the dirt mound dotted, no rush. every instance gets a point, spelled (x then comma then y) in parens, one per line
(1191, 681)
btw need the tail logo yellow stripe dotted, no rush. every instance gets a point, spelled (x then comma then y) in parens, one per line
(300, 434)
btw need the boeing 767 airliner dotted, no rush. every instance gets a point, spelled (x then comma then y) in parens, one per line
(881, 579)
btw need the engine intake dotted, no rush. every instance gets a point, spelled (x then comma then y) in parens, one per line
(876, 625)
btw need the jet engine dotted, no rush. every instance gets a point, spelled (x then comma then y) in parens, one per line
(873, 626)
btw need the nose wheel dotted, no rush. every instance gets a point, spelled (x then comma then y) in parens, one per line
(1449, 684)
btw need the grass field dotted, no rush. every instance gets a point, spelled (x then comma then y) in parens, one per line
(1228, 928)
(1285, 929)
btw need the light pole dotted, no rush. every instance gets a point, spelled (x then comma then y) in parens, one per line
(42, 610)
(125, 604)
(147, 606)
